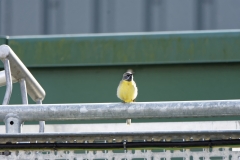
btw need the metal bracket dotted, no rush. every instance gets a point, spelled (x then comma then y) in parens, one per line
(13, 123)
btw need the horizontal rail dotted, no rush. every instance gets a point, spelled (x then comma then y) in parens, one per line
(122, 145)
(120, 136)
(137, 110)
(19, 71)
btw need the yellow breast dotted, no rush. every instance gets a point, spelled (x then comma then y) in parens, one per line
(127, 91)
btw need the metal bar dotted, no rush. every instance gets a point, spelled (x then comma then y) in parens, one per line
(41, 123)
(23, 91)
(223, 153)
(8, 82)
(120, 136)
(41, 126)
(136, 110)
(19, 71)
(3, 79)
(119, 145)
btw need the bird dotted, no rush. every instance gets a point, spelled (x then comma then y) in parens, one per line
(127, 90)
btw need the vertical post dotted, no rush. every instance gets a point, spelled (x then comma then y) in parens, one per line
(41, 123)
(8, 82)
(23, 91)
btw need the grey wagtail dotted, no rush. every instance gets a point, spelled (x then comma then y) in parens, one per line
(127, 90)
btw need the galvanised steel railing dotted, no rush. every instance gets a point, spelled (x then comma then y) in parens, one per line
(15, 115)
(15, 71)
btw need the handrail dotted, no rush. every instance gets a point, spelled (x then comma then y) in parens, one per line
(19, 71)
(8, 81)
(136, 110)
(3, 79)
(120, 136)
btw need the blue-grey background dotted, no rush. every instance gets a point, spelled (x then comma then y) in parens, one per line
(34, 17)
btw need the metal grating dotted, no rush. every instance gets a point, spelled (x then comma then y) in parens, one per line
(184, 154)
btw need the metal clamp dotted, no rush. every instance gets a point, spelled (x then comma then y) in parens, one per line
(13, 123)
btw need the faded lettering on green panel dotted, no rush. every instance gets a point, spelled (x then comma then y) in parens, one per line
(129, 49)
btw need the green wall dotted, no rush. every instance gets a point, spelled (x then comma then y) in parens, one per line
(2, 40)
(202, 65)
(155, 83)
(128, 49)
(179, 66)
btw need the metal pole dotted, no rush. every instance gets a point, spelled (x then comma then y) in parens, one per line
(19, 71)
(41, 123)
(3, 79)
(137, 110)
(8, 82)
(23, 91)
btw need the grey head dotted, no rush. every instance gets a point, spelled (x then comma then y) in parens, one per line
(128, 76)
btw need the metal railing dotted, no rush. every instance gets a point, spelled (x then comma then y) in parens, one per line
(15, 71)
(111, 111)
(15, 115)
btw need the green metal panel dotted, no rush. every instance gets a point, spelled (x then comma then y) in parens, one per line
(128, 49)
(87, 69)
(81, 83)
(155, 83)
(3, 40)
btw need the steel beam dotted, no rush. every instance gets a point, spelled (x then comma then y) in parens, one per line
(137, 110)
(120, 136)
